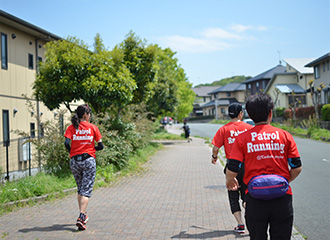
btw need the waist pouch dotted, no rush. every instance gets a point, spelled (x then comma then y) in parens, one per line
(267, 187)
(81, 157)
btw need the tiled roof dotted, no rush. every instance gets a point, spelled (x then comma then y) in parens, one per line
(221, 102)
(204, 90)
(230, 87)
(268, 74)
(313, 63)
(299, 64)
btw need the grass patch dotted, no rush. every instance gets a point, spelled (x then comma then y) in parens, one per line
(217, 121)
(162, 134)
(312, 132)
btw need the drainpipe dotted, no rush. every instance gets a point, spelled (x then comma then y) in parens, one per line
(38, 107)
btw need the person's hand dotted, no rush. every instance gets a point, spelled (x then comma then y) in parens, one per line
(232, 184)
(214, 160)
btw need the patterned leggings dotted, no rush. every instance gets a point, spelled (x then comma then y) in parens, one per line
(84, 174)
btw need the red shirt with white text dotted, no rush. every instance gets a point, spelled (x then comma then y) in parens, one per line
(83, 139)
(265, 150)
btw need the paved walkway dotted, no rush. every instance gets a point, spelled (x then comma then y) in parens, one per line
(181, 195)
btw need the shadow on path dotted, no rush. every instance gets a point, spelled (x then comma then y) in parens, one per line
(55, 227)
(206, 235)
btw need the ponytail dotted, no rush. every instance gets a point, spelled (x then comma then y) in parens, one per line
(81, 110)
(75, 120)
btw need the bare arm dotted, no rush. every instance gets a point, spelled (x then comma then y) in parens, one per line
(215, 152)
(231, 181)
(294, 172)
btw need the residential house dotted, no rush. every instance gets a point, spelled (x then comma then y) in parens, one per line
(292, 84)
(222, 97)
(322, 75)
(202, 97)
(260, 82)
(22, 48)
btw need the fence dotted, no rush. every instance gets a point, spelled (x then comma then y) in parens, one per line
(16, 159)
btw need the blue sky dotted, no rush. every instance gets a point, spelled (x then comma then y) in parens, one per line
(214, 39)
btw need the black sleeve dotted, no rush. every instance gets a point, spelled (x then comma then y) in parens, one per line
(99, 146)
(233, 165)
(67, 144)
(294, 162)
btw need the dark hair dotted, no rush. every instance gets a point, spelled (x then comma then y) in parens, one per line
(81, 110)
(234, 109)
(259, 106)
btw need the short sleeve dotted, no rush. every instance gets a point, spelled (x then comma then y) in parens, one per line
(292, 147)
(218, 139)
(236, 152)
(97, 133)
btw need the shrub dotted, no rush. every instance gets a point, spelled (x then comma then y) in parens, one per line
(325, 112)
(280, 112)
(123, 135)
(287, 114)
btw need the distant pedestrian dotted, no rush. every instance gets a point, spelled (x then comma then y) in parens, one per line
(270, 154)
(186, 130)
(80, 138)
(225, 136)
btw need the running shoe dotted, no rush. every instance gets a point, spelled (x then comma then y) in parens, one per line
(81, 221)
(239, 229)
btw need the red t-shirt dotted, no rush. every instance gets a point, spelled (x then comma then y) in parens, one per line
(265, 150)
(226, 135)
(83, 139)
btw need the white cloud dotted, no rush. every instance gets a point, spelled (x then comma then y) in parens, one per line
(188, 44)
(220, 34)
(239, 28)
(211, 39)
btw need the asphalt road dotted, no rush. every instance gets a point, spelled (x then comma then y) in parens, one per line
(311, 190)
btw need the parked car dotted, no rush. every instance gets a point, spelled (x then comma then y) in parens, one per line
(249, 121)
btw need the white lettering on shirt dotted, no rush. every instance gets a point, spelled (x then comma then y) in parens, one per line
(82, 135)
(267, 146)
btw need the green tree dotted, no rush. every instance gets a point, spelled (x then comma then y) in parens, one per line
(109, 82)
(61, 75)
(71, 72)
(139, 59)
(164, 99)
(186, 96)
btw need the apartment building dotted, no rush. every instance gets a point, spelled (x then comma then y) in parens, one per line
(22, 48)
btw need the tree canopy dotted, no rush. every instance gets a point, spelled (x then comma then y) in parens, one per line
(134, 72)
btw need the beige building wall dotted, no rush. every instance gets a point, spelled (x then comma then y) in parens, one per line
(324, 78)
(15, 81)
(289, 79)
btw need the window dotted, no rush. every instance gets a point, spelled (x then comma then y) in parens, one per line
(263, 85)
(5, 127)
(32, 130)
(4, 51)
(317, 71)
(24, 149)
(215, 96)
(249, 86)
(30, 61)
(328, 65)
(222, 110)
(324, 67)
(228, 94)
(257, 86)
